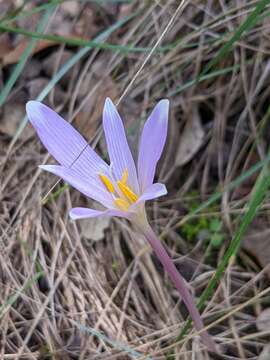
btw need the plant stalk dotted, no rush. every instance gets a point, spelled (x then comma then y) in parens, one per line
(176, 278)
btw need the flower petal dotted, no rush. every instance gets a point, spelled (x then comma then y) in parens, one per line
(119, 151)
(63, 142)
(153, 191)
(83, 213)
(152, 141)
(87, 186)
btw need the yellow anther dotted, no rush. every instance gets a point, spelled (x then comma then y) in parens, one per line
(128, 196)
(124, 177)
(127, 192)
(107, 182)
(122, 204)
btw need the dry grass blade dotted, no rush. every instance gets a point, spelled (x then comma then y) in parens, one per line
(65, 295)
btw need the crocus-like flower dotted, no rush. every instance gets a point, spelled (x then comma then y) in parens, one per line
(121, 188)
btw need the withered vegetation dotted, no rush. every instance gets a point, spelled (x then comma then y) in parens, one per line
(93, 289)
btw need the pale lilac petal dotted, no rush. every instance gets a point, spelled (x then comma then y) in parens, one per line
(152, 141)
(87, 186)
(84, 213)
(119, 151)
(63, 142)
(152, 192)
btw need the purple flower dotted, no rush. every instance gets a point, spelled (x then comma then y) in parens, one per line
(121, 187)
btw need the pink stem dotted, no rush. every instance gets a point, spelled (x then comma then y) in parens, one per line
(178, 281)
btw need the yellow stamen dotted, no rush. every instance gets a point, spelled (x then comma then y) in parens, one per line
(107, 182)
(127, 192)
(124, 177)
(122, 204)
(129, 197)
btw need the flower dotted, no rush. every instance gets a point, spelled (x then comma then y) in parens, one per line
(121, 187)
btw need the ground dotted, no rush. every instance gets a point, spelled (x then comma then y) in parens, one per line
(93, 289)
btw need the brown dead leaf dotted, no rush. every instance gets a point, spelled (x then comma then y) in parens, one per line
(11, 117)
(93, 229)
(14, 55)
(63, 24)
(257, 243)
(5, 44)
(191, 139)
(9, 121)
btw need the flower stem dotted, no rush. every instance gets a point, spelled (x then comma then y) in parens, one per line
(177, 279)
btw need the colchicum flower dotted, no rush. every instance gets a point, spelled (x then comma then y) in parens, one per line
(121, 187)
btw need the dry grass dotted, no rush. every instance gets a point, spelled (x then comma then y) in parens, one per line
(65, 296)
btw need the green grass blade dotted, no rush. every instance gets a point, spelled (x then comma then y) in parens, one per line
(77, 42)
(209, 76)
(66, 67)
(20, 65)
(260, 189)
(55, 194)
(261, 185)
(250, 21)
(13, 298)
(232, 185)
(257, 196)
(115, 344)
(20, 14)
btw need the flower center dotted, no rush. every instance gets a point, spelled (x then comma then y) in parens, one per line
(124, 196)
